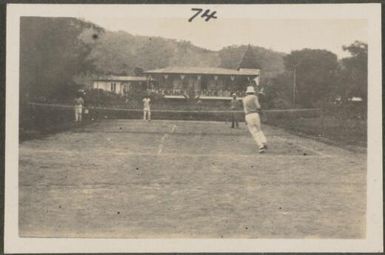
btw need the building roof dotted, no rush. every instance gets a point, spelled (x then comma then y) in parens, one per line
(203, 70)
(121, 78)
(249, 60)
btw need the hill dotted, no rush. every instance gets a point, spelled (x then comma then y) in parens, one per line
(59, 55)
(120, 52)
(270, 62)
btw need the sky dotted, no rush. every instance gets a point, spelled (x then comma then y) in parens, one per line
(283, 35)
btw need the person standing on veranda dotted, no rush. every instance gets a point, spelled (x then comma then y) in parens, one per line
(234, 105)
(78, 108)
(146, 108)
(252, 110)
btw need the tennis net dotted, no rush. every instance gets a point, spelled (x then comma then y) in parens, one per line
(98, 112)
(47, 118)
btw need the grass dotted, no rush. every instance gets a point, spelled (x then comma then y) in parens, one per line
(343, 132)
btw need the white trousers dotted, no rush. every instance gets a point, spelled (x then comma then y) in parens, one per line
(146, 114)
(78, 113)
(254, 125)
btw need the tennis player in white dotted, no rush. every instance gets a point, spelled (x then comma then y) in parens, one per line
(252, 110)
(146, 108)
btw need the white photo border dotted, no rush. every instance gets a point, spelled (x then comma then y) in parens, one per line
(374, 239)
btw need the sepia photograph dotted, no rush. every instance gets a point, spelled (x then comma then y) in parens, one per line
(191, 122)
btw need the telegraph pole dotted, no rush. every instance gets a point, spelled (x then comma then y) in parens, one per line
(294, 83)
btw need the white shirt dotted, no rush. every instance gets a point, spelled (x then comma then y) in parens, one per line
(251, 104)
(146, 104)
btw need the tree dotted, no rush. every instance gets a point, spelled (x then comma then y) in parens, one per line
(314, 73)
(52, 53)
(353, 74)
(278, 92)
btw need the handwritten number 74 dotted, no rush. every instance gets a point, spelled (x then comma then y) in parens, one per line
(207, 15)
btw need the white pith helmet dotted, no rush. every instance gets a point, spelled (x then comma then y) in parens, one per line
(250, 89)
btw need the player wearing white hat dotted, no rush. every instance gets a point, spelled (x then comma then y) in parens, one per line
(252, 110)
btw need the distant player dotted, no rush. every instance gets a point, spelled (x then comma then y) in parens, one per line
(234, 105)
(146, 108)
(252, 110)
(78, 107)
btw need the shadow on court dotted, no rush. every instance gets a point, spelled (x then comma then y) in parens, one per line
(188, 179)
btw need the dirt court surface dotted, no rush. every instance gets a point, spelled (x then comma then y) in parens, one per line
(188, 179)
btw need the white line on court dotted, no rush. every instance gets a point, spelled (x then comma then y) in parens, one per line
(160, 148)
(164, 138)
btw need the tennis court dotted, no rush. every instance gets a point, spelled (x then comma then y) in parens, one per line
(188, 179)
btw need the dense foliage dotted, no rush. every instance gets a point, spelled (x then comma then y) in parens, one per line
(353, 75)
(52, 54)
(316, 78)
(315, 72)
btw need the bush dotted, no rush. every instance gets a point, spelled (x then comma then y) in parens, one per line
(99, 97)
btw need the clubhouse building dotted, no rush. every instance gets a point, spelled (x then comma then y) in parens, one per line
(200, 82)
(189, 82)
(121, 85)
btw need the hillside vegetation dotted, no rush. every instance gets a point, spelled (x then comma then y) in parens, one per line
(60, 55)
